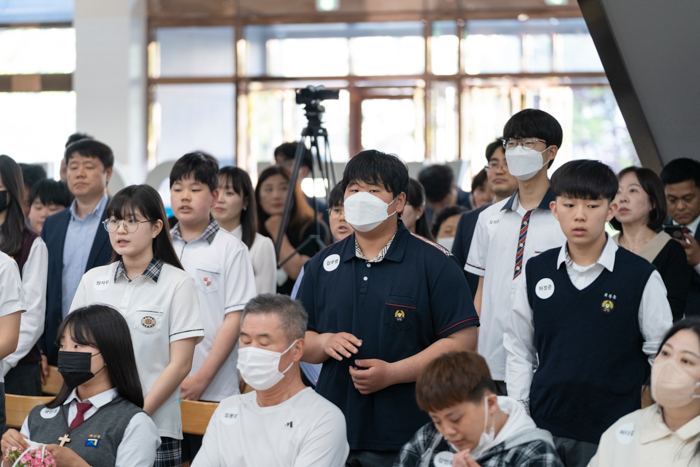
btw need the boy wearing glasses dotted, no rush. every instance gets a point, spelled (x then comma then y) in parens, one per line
(514, 230)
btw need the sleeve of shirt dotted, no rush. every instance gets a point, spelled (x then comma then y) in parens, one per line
(476, 259)
(25, 428)
(80, 297)
(185, 315)
(305, 295)
(208, 454)
(11, 294)
(411, 452)
(451, 304)
(518, 340)
(34, 288)
(240, 280)
(697, 268)
(139, 443)
(655, 317)
(265, 266)
(326, 444)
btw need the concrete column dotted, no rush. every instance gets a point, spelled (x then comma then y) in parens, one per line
(110, 80)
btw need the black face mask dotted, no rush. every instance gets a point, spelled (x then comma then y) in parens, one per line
(75, 367)
(3, 200)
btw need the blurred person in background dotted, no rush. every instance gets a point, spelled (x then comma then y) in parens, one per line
(284, 157)
(31, 175)
(63, 172)
(413, 215)
(48, 197)
(445, 225)
(441, 189)
(482, 194)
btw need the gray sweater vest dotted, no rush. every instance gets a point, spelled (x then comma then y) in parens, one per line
(95, 440)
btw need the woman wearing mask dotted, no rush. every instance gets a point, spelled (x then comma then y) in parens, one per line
(445, 225)
(665, 433)
(413, 215)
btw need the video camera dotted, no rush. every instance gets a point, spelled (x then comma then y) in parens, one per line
(312, 95)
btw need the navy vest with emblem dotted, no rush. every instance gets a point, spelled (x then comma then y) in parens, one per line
(589, 345)
(96, 440)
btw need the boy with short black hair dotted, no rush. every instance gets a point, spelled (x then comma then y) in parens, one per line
(46, 198)
(588, 317)
(223, 274)
(512, 231)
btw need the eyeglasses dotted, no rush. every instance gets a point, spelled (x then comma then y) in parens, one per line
(336, 212)
(496, 164)
(131, 225)
(529, 143)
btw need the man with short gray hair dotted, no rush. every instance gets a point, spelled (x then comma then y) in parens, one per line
(282, 423)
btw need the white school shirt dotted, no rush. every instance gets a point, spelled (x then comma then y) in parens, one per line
(492, 255)
(161, 307)
(654, 318)
(11, 294)
(223, 275)
(693, 227)
(262, 255)
(34, 274)
(303, 431)
(139, 443)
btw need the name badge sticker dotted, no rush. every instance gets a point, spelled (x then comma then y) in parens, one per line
(625, 433)
(229, 416)
(49, 413)
(443, 458)
(544, 288)
(101, 283)
(331, 263)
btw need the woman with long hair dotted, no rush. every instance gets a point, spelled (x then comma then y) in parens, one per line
(413, 215)
(32, 257)
(98, 416)
(236, 212)
(270, 195)
(147, 284)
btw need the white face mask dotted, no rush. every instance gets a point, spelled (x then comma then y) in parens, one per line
(486, 439)
(260, 367)
(364, 211)
(524, 163)
(671, 387)
(446, 242)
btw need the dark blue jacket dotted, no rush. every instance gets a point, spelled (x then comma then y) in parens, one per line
(54, 235)
(463, 241)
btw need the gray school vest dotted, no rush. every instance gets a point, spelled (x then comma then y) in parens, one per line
(95, 440)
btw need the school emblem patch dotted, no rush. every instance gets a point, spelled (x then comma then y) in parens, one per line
(148, 321)
(399, 315)
(607, 307)
(207, 281)
(93, 441)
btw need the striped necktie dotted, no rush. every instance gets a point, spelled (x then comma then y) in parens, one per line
(521, 244)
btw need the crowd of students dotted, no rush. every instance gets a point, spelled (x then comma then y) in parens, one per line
(411, 323)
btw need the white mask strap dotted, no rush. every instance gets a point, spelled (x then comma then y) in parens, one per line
(288, 348)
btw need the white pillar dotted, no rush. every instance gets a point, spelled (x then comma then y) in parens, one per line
(110, 79)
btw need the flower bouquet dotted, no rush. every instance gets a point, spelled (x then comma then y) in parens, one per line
(32, 457)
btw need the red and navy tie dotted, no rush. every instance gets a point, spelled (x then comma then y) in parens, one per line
(521, 244)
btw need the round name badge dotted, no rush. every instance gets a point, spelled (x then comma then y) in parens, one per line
(101, 283)
(229, 416)
(625, 433)
(49, 413)
(544, 288)
(443, 458)
(331, 263)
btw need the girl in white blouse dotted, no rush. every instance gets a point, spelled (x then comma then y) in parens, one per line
(667, 432)
(235, 212)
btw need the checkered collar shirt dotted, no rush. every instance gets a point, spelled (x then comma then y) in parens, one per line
(380, 256)
(152, 270)
(208, 234)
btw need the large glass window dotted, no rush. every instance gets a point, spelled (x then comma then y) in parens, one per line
(193, 51)
(33, 50)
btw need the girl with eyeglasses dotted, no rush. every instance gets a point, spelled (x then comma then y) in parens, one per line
(146, 283)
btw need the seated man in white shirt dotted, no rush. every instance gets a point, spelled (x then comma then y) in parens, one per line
(282, 423)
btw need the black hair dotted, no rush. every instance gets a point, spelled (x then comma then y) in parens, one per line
(146, 200)
(12, 230)
(289, 150)
(377, 168)
(681, 170)
(585, 179)
(481, 178)
(239, 181)
(437, 180)
(654, 189)
(534, 123)
(491, 148)
(416, 198)
(202, 167)
(88, 147)
(444, 214)
(104, 328)
(336, 197)
(50, 192)
(32, 174)
(301, 214)
(77, 137)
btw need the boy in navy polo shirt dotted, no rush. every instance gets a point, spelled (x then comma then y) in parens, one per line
(382, 303)
(588, 318)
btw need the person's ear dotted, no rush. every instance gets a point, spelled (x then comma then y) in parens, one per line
(553, 208)
(553, 150)
(400, 202)
(492, 400)
(298, 350)
(157, 227)
(215, 197)
(612, 210)
(108, 174)
(420, 210)
(245, 203)
(303, 172)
